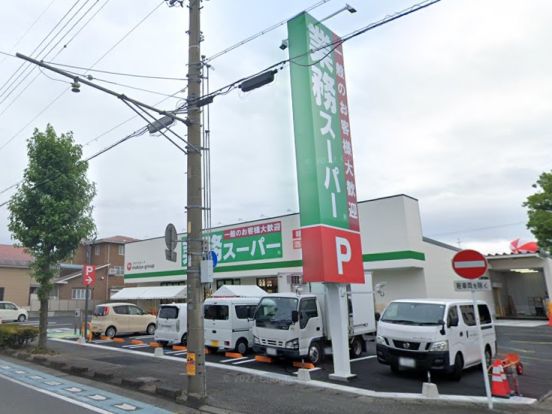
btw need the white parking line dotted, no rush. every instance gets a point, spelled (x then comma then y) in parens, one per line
(320, 384)
(233, 359)
(141, 337)
(362, 358)
(244, 362)
(175, 352)
(136, 346)
(310, 370)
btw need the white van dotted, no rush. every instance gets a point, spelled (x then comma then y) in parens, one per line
(434, 334)
(172, 324)
(228, 322)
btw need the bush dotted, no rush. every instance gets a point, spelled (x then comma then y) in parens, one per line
(15, 336)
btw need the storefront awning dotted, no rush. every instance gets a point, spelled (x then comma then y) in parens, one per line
(239, 291)
(151, 292)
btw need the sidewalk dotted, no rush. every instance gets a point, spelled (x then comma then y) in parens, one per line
(232, 391)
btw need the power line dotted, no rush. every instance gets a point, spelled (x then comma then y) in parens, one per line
(333, 45)
(30, 28)
(134, 134)
(261, 33)
(32, 68)
(132, 75)
(59, 96)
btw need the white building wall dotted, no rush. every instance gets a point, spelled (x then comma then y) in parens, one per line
(399, 284)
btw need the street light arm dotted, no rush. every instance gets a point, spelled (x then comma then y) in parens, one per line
(101, 88)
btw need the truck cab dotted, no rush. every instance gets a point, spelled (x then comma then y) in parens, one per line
(294, 325)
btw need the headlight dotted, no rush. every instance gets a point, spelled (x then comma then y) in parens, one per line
(439, 346)
(293, 344)
(380, 340)
(256, 340)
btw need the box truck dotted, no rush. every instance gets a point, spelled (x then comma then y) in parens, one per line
(295, 325)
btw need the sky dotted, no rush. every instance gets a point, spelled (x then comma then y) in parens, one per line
(449, 105)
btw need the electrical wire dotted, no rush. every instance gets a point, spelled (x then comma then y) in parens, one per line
(24, 66)
(59, 96)
(30, 28)
(134, 134)
(262, 32)
(333, 45)
(132, 75)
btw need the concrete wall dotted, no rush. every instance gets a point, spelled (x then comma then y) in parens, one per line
(16, 283)
(399, 284)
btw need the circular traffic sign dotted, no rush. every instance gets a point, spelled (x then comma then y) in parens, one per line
(469, 264)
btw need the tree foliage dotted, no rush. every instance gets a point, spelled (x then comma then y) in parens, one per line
(51, 212)
(539, 210)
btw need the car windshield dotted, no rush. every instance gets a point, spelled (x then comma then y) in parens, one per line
(412, 313)
(275, 312)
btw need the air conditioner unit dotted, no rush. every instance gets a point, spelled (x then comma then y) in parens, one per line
(112, 271)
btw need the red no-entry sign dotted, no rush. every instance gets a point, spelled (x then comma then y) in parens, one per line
(469, 264)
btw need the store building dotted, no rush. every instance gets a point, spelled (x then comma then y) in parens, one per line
(16, 282)
(403, 263)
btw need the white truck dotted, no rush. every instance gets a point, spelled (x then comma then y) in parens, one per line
(295, 325)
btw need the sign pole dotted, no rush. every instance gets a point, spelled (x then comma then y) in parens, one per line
(482, 351)
(86, 313)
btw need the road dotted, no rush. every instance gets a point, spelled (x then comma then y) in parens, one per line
(29, 389)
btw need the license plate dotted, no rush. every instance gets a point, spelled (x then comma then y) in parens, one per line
(271, 351)
(215, 343)
(407, 362)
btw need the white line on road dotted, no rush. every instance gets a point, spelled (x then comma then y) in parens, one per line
(233, 359)
(244, 362)
(53, 394)
(362, 358)
(136, 346)
(320, 384)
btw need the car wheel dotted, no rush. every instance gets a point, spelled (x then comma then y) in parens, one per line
(184, 339)
(356, 347)
(150, 330)
(315, 353)
(111, 332)
(458, 367)
(21, 318)
(241, 346)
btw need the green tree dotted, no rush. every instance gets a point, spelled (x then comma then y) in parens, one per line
(539, 210)
(51, 211)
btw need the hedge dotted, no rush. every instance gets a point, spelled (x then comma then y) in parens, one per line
(15, 336)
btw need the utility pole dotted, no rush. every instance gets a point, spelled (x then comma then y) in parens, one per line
(194, 209)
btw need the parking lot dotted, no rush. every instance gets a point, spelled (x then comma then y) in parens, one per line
(533, 344)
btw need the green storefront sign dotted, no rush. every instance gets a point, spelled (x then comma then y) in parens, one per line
(243, 244)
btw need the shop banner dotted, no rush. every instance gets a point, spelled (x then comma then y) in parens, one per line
(324, 157)
(244, 243)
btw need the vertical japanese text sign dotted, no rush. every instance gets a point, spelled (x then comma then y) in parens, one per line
(327, 194)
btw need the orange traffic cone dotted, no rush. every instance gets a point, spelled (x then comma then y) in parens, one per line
(549, 308)
(499, 386)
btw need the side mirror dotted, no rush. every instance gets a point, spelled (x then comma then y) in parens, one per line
(294, 316)
(377, 316)
(442, 323)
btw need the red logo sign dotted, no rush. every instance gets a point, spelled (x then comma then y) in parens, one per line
(89, 275)
(331, 255)
(129, 266)
(469, 264)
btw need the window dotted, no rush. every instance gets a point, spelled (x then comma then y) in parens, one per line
(80, 294)
(452, 317)
(168, 312)
(245, 311)
(484, 314)
(2, 306)
(121, 310)
(11, 306)
(116, 270)
(101, 311)
(269, 284)
(1, 293)
(307, 310)
(468, 315)
(121, 250)
(296, 280)
(135, 310)
(216, 312)
(97, 250)
(222, 282)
